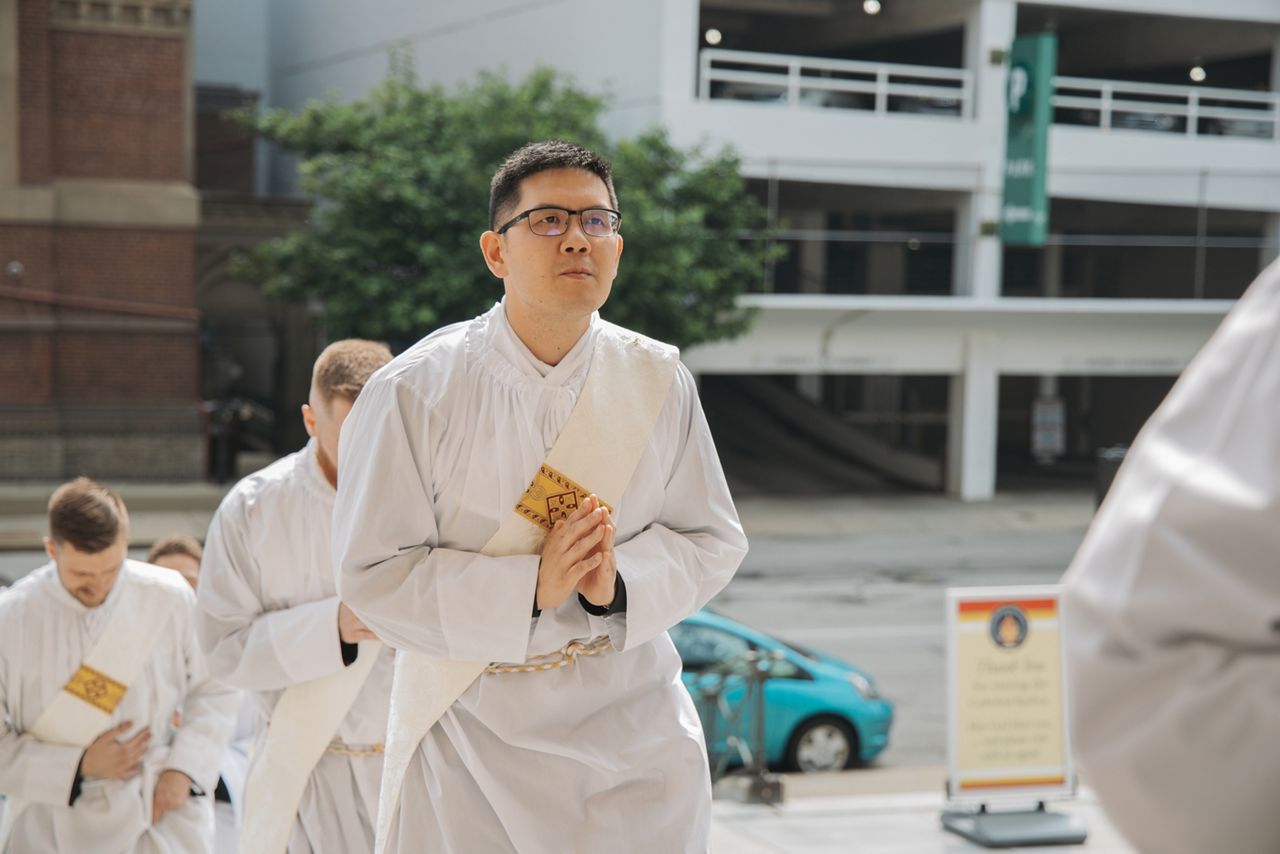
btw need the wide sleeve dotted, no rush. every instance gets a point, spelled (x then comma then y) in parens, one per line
(208, 713)
(447, 603)
(1172, 607)
(246, 645)
(688, 554)
(31, 769)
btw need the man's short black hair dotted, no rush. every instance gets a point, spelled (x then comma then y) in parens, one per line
(535, 157)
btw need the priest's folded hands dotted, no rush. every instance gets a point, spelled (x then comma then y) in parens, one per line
(578, 556)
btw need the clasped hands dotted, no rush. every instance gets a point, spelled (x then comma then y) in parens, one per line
(578, 556)
(108, 758)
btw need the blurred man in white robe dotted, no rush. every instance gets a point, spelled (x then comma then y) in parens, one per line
(182, 553)
(1172, 606)
(571, 730)
(96, 653)
(271, 623)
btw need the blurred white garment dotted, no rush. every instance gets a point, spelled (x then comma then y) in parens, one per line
(235, 764)
(45, 635)
(603, 755)
(268, 619)
(1172, 607)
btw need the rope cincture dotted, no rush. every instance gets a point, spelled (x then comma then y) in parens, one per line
(343, 749)
(563, 657)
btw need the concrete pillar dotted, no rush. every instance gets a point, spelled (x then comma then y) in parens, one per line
(1051, 287)
(973, 422)
(809, 386)
(811, 254)
(8, 93)
(989, 26)
(977, 260)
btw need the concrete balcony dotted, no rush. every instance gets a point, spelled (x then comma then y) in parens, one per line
(1173, 145)
(813, 119)
(800, 118)
(807, 334)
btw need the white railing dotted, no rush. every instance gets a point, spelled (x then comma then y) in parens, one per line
(1190, 110)
(878, 87)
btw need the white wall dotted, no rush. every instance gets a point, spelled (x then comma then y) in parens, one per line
(1164, 169)
(928, 335)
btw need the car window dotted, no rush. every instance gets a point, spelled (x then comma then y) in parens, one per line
(702, 647)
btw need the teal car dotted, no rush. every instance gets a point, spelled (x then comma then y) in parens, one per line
(821, 714)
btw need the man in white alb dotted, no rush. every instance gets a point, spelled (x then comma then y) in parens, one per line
(538, 427)
(1172, 606)
(182, 553)
(270, 622)
(96, 654)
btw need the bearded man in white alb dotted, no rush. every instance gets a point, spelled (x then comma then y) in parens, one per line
(271, 623)
(529, 501)
(96, 654)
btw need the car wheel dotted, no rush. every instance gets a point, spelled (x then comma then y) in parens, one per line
(824, 743)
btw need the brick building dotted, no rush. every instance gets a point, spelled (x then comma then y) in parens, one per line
(99, 328)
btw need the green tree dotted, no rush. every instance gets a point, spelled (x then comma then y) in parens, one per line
(401, 183)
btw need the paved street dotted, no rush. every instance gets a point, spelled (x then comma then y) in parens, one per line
(868, 584)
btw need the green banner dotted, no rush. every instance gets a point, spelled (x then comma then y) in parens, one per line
(1024, 211)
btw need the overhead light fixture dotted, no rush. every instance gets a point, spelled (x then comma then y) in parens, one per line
(1197, 74)
(871, 7)
(713, 36)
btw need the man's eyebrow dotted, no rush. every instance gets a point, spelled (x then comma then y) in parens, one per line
(604, 205)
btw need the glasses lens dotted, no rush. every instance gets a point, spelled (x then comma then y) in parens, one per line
(549, 222)
(599, 223)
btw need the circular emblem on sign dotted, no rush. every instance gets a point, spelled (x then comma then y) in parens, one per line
(1019, 91)
(1009, 627)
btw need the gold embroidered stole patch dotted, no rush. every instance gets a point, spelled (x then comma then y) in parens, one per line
(551, 497)
(96, 689)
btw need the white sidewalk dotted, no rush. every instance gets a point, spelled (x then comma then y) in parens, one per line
(904, 823)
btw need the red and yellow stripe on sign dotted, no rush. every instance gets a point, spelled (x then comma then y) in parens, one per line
(1012, 783)
(1035, 609)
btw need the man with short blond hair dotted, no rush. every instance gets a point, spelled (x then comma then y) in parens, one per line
(96, 653)
(271, 623)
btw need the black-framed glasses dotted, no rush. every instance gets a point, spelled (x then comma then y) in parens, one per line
(553, 222)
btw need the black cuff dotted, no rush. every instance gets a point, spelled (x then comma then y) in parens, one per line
(617, 606)
(537, 612)
(76, 784)
(349, 652)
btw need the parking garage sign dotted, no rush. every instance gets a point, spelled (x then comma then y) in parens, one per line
(1024, 212)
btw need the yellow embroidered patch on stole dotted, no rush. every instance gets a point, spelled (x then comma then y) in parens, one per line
(96, 689)
(551, 497)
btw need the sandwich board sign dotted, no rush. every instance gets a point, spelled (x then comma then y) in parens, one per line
(1007, 738)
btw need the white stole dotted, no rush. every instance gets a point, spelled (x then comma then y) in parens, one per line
(303, 723)
(599, 447)
(84, 708)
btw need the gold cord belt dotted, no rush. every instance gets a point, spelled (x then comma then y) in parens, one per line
(343, 749)
(562, 657)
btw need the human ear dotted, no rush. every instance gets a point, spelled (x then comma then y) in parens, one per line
(494, 253)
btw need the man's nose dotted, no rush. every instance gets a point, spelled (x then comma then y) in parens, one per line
(575, 240)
